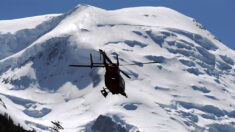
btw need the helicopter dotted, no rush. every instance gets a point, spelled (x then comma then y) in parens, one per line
(113, 80)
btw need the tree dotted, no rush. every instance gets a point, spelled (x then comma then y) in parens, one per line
(7, 125)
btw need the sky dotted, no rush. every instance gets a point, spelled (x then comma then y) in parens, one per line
(216, 15)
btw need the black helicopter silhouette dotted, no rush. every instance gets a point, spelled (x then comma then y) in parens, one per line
(113, 79)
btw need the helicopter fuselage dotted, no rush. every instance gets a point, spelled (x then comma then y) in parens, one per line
(114, 81)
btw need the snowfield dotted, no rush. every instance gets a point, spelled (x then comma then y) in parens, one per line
(192, 89)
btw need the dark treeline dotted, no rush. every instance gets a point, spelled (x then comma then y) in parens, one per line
(7, 125)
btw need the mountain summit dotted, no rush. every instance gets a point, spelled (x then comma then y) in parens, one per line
(192, 89)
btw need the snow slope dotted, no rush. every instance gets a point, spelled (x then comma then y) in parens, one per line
(16, 35)
(192, 89)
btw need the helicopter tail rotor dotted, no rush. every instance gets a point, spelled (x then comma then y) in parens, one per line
(92, 65)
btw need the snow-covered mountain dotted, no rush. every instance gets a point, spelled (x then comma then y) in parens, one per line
(192, 89)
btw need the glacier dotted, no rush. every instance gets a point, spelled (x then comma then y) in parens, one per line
(192, 89)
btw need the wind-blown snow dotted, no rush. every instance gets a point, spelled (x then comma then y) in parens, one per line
(192, 89)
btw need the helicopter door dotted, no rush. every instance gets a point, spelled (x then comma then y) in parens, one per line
(122, 84)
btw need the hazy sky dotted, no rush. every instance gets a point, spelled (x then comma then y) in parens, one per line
(216, 15)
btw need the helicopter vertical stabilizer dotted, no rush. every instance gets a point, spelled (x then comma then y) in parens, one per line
(92, 64)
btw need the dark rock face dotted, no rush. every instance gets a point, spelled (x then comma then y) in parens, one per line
(221, 128)
(106, 124)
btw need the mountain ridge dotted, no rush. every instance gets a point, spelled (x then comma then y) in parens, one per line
(190, 90)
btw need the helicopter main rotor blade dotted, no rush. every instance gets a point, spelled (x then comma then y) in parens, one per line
(135, 64)
(124, 73)
(86, 66)
(140, 63)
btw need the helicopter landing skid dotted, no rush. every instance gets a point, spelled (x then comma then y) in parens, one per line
(104, 92)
